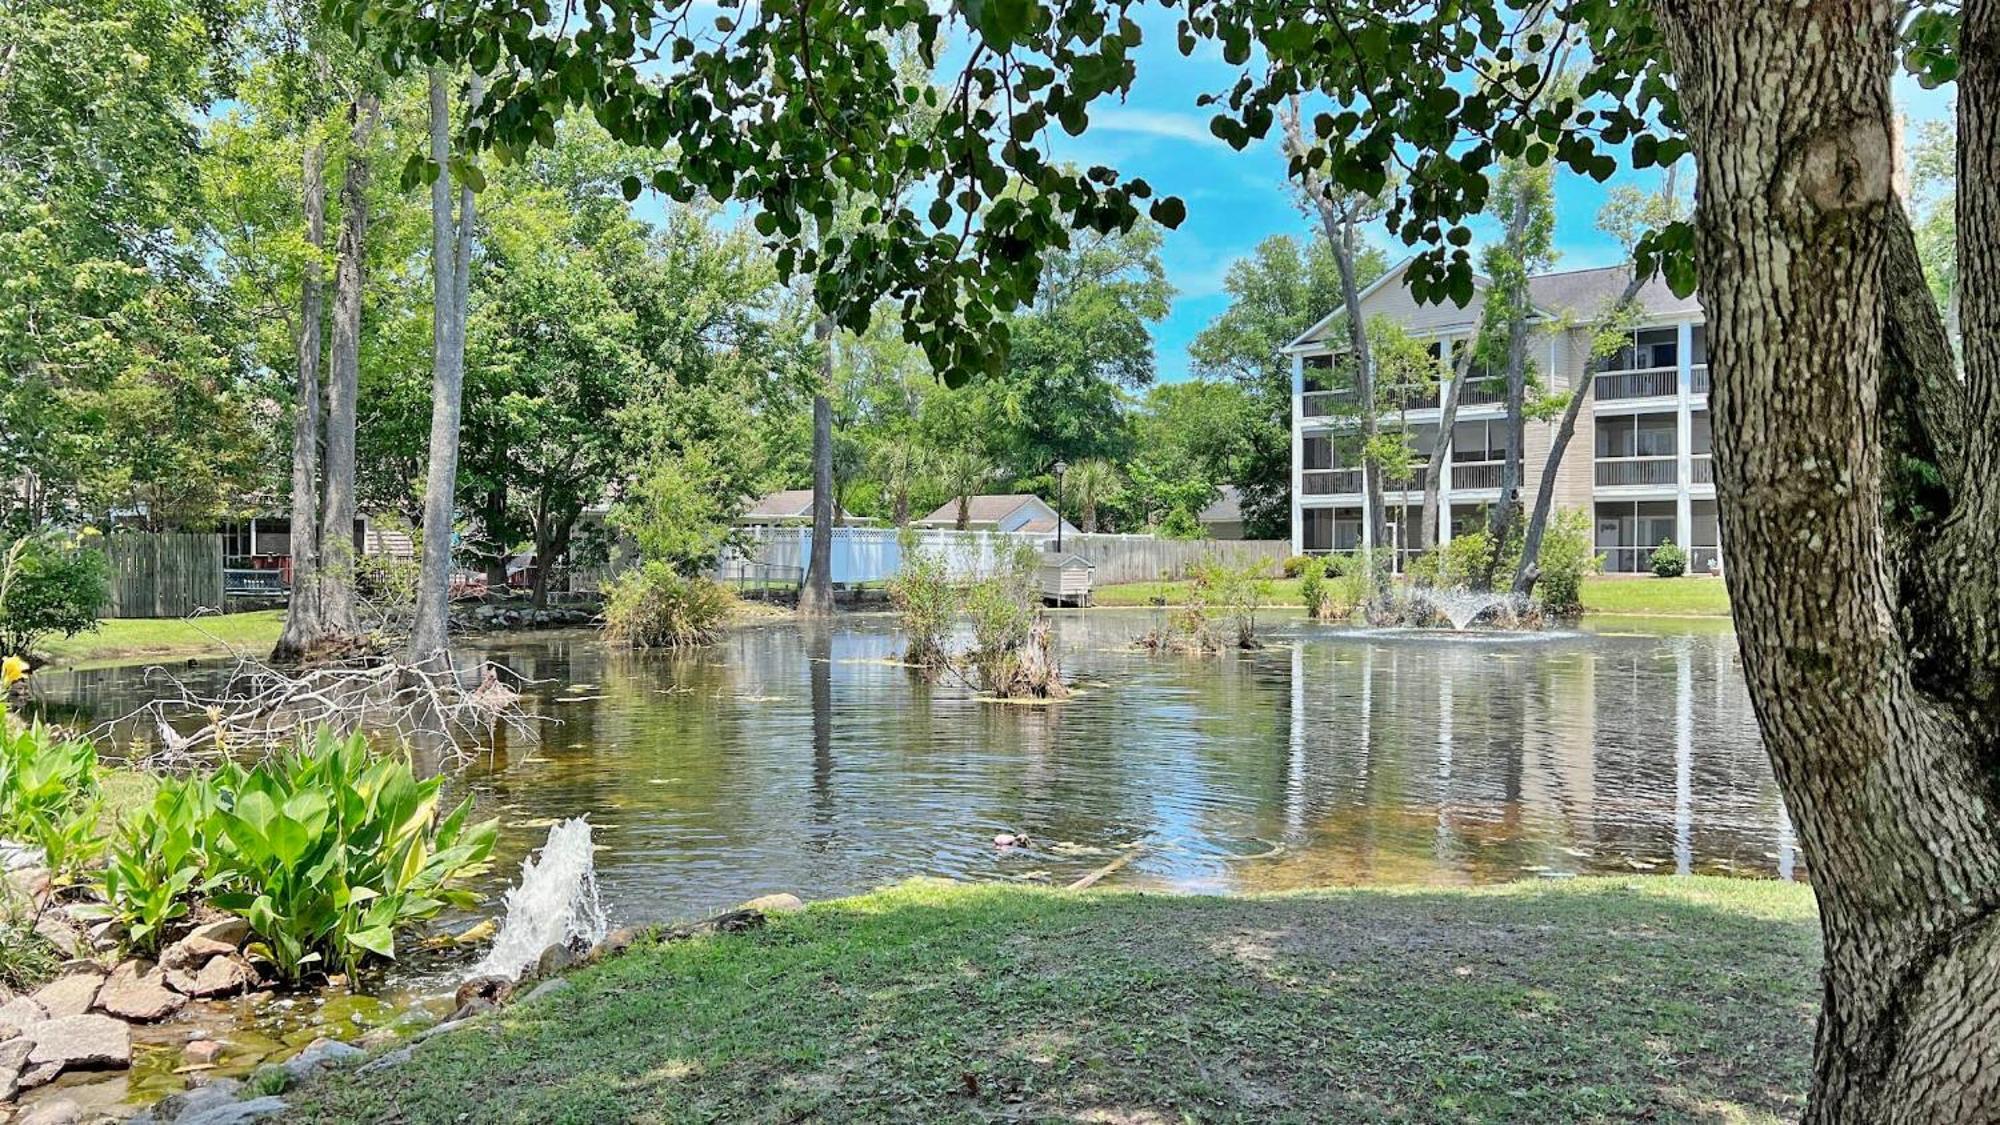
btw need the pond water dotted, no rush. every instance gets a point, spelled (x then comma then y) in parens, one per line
(808, 760)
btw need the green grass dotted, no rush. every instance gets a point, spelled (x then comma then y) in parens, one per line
(1657, 597)
(1635, 597)
(127, 639)
(1590, 1000)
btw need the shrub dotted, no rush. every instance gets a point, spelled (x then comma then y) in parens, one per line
(49, 795)
(50, 585)
(1013, 648)
(1566, 557)
(156, 862)
(1296, 566)
(1312, 586)
(328, 852)
(1669, 561)
(652, 606)
(928, 600)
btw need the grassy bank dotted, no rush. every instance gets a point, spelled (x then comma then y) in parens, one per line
(1638, 597)
(1645, 998)
(131, 639)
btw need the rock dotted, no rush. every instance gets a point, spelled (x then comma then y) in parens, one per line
(70, 996)
(394, 1058)
(230, 931)
(494, 990)
(13, 1060)
(222, 976)
(322, 1053)
(236, 1113)
(201, 1052)
(615, 942)
(18, 857)
(549, 988)
(774, 904)
(375, 1038)
(477, 1006)
(137, 991)
(221, 1092)
(106, 935)
(81, 1043)
(60, 934)
(194, 950)
(18, 1014)
(57, 1111)
(554, 960)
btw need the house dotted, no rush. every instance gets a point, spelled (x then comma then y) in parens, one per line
(1021, 513)
(1639, 461)
(1224, 518)
(791, 507)
(1066, 578)
(257, 552)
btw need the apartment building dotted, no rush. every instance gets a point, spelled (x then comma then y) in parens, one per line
(1638, 463)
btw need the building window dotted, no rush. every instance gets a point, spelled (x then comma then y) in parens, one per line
(1701, 434)
(1318, 453)
(1649, 348)
(1479, 441)
(1317, 534)
(1638, 435)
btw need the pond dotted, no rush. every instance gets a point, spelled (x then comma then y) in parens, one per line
(808, 760)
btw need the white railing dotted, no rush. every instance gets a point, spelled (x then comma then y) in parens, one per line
(1615, 472)
(1701, 469)
(1470, 476)
(1651, 382)
(1331, 482)
(1321, 404)
(1698, 379)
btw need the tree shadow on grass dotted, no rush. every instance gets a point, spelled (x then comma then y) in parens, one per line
(1593, 1000)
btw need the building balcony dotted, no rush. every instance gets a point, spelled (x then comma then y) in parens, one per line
(1701, 469)
(1698, 379)
(1347, 482)
(1651, 382)
(1640, 472)
(1475, 476)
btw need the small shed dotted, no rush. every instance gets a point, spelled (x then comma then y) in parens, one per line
(1066, 578)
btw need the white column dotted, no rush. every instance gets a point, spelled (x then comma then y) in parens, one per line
(1683, 760)
(1684, 417)
(1298, 453)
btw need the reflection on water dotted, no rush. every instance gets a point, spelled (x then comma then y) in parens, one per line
(805, 760)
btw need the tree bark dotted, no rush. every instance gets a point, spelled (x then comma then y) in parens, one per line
(303, 627)
(336, 533)
(1529, 570)
(816, 596)
(1447, 419)
(451, 269)
(1886, 767)
(1500, 521)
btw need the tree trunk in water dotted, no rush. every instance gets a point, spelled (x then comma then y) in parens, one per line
(816, 597)
(336, 532)
(1434, 472)
(1868, 631)
(1529, 570)
(451, 267)
(303, 626)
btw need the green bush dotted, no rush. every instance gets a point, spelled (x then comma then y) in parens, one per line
(1669, 561)
(156, 862)
(1312, 585)
(49, 795)
(928, 601)
(50, 585)
(653, 606)
(1295, 567)
(1003, 607)
(328, 852)
(1567, 556)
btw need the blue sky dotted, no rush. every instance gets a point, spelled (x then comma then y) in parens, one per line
(1237, 199)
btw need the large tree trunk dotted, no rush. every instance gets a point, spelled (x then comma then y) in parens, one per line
(1500, 521)
(336, 533)
(1447, 419)
(451, 269)
(1529, 570)
(1343, 237)
(303, 627)
(816, 597)
(1867, 630)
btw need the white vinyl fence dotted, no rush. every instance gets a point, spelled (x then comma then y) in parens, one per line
(779, 555)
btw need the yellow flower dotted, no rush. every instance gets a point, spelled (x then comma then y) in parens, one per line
(12, 670)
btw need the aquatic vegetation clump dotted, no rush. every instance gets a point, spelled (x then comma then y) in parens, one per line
(928, 600)
(1220, 612)
(653, 606)
(1013, 651)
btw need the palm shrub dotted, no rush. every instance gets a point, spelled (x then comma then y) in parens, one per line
(49, 795)
(653, 606)
(328, 852)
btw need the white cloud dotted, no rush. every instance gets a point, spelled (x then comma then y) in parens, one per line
(1155, 123)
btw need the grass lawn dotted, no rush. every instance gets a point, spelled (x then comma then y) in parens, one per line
(1589, 1000)
(1637, 597)
(1657, 597)
(135, 638)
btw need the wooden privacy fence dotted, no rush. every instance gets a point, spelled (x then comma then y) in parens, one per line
(874, 554)
(164, 575)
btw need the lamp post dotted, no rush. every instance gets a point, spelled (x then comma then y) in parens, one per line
(1061, 467)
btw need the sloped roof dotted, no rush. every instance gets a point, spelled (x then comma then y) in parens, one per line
(1228, 508)
(786, 504)
(984, 509)
(1041, 525)
(1590, 292)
